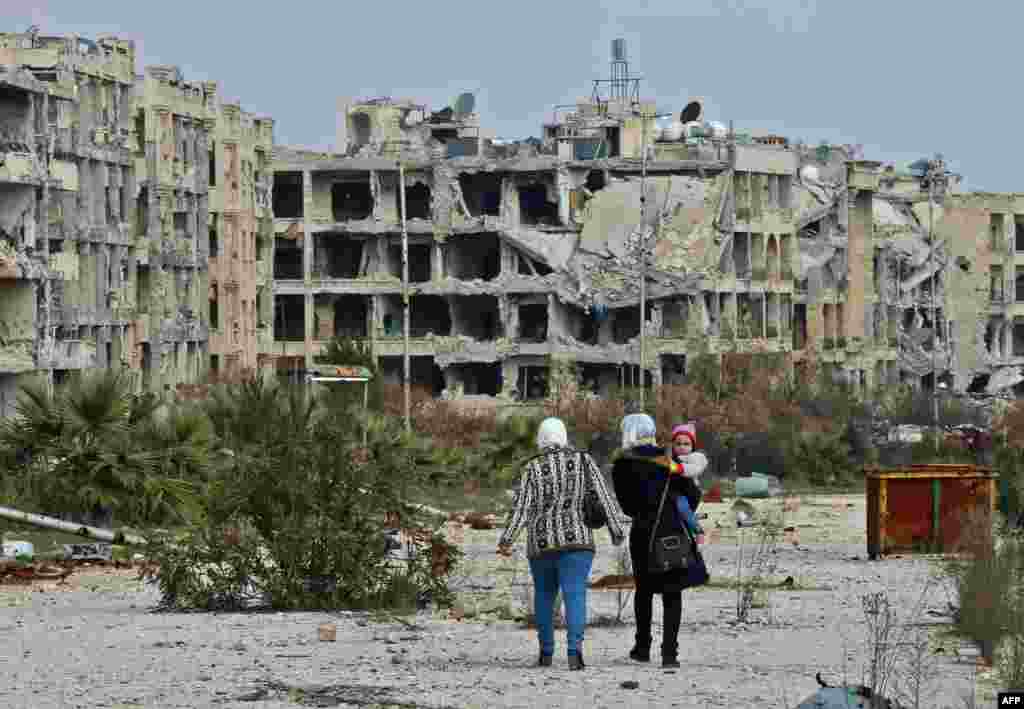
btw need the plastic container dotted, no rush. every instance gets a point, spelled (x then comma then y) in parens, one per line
(14, 549)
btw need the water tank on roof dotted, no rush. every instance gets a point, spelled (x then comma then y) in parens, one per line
(692, 112)
(618, 50)
(717, 129)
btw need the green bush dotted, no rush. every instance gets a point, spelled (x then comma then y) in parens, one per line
(308, 501)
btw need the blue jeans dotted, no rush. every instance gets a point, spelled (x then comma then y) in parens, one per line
(569, 570)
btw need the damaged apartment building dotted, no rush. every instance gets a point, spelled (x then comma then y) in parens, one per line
(525, 262)
(131, 212)
(149, 225)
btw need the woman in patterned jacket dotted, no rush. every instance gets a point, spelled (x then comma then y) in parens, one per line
(560, 546)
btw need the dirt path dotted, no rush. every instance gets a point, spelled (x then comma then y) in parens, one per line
(103, 647)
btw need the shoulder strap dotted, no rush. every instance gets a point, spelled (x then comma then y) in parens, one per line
(657, 518)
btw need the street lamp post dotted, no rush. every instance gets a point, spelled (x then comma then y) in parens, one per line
(405, 301)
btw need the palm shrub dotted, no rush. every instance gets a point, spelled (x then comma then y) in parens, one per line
(78, 451)
(297, 498)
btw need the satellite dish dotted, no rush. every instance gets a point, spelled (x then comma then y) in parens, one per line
(464, 104)
(691, 113)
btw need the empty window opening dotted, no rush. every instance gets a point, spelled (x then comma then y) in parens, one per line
(1019, 290)
(214, 363)
(287, 195)
(212, 171)
(351, 315)
(289, 317)
(596, 180)
(338, 256)
(626, 324)
(482, 193)
(477, 317)
(428, 314)
(614, 139)
(533, 322)
(533, 383)
(214, 308)
(1018, 339)
(287, 259)
(147, 364)
(799, 326)
(1018, 228)
(417, 201)
(473, 257)
(423, 372)
(477, 378)
(351, 200)
(773, 261)
(598, 379)
(978, 384)
(674, 318)
(361, 128)
(419, 262)
(142, 288)
(534, 207)
(673, 369)
(741, 254)
(214, 246)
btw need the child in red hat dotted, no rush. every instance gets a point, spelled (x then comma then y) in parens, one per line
(690, 464)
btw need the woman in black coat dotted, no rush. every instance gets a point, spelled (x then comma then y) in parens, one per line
(639, 477)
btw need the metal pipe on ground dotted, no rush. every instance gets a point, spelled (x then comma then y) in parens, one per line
(81, 530)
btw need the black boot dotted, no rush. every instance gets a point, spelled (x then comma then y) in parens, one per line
(669, 656)
(544, 661)
(576, 661)
(641, 651)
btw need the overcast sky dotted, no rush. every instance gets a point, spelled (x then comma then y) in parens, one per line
(905, 78)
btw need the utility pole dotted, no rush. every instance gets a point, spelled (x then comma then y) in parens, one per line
(405, 300)
(643, 250)
(936, 179)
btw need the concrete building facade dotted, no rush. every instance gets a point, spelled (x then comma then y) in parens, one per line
(149, 225)
(115, 187)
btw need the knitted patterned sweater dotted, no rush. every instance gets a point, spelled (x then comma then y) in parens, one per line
(549, 504)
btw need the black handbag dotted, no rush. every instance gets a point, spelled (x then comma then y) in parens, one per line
(594, 514)
(671, 551)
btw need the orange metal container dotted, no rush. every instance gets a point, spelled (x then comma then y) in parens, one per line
(921, 508)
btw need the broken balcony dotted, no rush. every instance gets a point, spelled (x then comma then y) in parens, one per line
(473, 257)
(476, 316)
(352, 199)
(598, 379)
(529, 266)
(482, 194)
(287, 195)
(289, 318)
(338, 256)
(626, 324)
(287, 259)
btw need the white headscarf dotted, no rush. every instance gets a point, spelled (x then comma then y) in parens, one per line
(552, 434)
(637, 430)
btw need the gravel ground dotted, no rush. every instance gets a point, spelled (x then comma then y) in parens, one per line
(107, 648)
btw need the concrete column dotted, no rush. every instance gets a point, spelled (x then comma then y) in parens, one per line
(859, 245)
(437, 261)
(307, 264)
